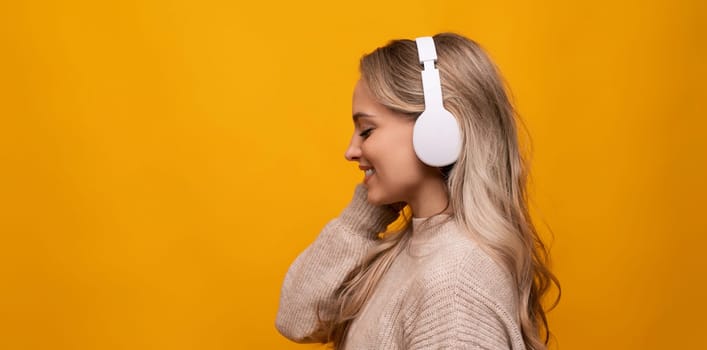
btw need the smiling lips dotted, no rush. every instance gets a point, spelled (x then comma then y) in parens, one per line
(369, 171)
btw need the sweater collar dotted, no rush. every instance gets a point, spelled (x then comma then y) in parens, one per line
(426, 230)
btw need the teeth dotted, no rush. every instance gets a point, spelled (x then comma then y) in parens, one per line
(370, 172)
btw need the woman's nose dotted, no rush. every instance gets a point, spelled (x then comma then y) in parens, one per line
(353, 152)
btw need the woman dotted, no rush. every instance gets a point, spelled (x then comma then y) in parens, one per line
(467, 269)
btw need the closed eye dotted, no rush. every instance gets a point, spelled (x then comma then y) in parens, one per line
(366, 133)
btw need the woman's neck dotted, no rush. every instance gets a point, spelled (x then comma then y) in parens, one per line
(431, 199)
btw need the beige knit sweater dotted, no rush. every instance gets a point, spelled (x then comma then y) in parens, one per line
(441, 292)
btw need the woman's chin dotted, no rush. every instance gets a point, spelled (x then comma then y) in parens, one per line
(375, 199)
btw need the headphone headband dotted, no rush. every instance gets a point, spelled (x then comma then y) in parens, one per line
(426, 49)
(431, 84)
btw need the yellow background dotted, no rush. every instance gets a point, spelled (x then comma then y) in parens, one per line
(163, 162)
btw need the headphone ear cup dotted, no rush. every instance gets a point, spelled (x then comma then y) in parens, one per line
(436, 138)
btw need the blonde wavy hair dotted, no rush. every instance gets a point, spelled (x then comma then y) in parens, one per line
(486, 186)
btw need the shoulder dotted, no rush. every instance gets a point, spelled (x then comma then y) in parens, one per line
(460, 268)
(460, 295)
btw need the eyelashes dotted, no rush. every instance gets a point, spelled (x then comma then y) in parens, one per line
(366, 133)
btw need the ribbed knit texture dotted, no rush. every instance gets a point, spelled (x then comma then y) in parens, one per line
(441, 292)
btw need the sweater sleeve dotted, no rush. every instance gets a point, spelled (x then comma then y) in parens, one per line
(454, 311)
(321, 268)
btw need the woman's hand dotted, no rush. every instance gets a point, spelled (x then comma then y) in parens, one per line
(367, 217)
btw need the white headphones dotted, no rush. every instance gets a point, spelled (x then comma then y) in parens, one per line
(436, 136)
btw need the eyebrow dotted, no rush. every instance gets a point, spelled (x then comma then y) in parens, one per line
(358, 115)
